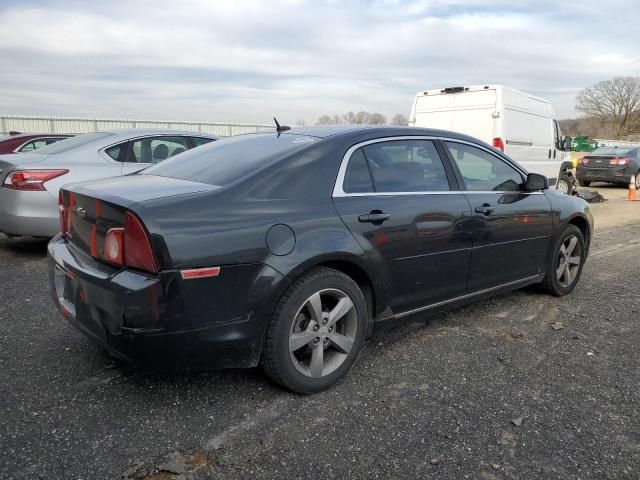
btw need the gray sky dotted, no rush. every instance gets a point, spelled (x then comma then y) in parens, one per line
(246, 61)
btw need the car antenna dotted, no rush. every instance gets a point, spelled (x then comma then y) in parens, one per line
(280, 128)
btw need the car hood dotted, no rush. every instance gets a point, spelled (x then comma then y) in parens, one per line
(131, 189)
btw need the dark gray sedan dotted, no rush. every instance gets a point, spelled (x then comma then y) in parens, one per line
(611, 165)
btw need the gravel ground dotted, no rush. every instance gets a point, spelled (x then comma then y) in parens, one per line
(520, 386)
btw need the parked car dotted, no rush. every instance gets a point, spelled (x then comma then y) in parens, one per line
(27, 142)
(610, 164)
(30, 182)
(287, 249)
(518, 123)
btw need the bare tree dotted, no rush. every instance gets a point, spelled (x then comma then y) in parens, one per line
(349, 117)
(615, 102)
(329, 120)
(400, 119)
(377, 119)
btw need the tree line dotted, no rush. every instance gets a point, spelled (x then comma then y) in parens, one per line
(612, 109)
(361, 118)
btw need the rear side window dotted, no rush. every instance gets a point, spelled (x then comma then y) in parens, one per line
(33, 145)
(225, 161)
(197, 141)
(482, 171)
(358, 179)
(117, 152)
(397, 166)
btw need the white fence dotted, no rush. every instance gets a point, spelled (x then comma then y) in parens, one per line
(38, 124)
(615, 143)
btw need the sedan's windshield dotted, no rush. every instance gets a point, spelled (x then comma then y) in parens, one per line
(612, 151)
(71, 143)
(225, 161)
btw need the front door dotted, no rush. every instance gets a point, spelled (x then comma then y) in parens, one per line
(512, 228)
(399, 201)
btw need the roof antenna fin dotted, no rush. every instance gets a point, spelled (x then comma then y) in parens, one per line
(280, 128)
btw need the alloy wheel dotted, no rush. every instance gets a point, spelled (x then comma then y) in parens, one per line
(569, 261)
(323, 333)
(563, 186)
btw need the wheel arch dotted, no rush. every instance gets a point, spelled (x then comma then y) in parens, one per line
(355, 268)
(583, 224)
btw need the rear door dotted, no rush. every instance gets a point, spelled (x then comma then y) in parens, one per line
(400, 200)
(512, 228)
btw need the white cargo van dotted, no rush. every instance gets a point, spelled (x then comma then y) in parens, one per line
(521, 125)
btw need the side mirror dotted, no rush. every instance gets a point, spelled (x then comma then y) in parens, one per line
(536, 182)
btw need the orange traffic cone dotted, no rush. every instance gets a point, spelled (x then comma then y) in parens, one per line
(631, 196)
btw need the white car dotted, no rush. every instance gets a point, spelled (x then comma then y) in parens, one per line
(521, 125)
(30, 181)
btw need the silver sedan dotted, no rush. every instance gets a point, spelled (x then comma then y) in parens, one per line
(30, 181)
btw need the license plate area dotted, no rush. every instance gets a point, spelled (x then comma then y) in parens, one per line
(65, 291)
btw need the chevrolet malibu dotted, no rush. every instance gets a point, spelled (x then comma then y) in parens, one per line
(288, 249)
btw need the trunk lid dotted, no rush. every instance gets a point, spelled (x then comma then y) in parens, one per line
(598, 162)
(95, 207)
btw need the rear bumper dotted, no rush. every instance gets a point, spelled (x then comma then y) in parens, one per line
(28, 213)
(162, 321)
(620, 175)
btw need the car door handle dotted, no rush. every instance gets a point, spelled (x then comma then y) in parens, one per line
(485, 209)
(374, 217)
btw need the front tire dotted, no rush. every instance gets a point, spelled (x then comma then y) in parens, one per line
(566, 263)
(316, 332)
(563, 186)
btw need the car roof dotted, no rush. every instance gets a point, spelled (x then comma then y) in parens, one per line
(27, 136)
(322, 131)
(155, 131)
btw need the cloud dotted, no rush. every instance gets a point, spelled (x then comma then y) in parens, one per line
(245, 61)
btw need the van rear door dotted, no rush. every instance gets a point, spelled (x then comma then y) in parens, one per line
(469, 112)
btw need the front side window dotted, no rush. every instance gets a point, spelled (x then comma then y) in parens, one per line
(157, 149)
(406, 166)
(482, 171)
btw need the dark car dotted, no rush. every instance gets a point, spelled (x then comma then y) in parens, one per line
(610, 164)
(287, 249)
(24, 143)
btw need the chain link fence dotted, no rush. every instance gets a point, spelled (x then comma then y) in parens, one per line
(41, 124)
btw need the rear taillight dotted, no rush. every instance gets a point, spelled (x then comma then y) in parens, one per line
(129, 246)
(619, 161)
(584, 161)
(65, 207)
(498, 143)
(114, 246)
(30, 179)
(63, 213)
(137, 247)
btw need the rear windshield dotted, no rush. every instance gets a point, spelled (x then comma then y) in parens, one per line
(71, 143)
(225, 161)
(612, 151)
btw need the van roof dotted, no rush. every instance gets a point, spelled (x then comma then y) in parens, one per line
(476, 88)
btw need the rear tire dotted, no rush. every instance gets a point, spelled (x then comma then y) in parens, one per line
(316, 332)
(567, 260)
(585, 183)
